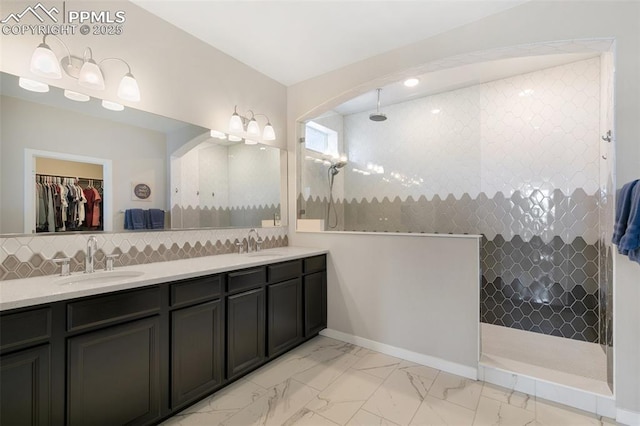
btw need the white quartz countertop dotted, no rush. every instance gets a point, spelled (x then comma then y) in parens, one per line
(53, 288)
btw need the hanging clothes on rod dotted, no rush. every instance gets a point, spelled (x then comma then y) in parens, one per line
(65, 203)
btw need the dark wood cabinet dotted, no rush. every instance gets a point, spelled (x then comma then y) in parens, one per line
(245, 331)
(137, 356)
(25, 387)
(284, 312)
(315, 303)
(197, 347)
(114, 375)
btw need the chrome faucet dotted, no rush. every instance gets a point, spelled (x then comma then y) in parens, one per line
(257, 239)
(92, 247)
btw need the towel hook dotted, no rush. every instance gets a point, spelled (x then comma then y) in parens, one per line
(607, 137)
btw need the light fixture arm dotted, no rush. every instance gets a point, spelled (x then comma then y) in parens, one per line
(44, 41)
(117, 59)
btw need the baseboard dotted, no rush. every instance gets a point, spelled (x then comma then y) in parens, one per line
(418, 358)
(627, 417)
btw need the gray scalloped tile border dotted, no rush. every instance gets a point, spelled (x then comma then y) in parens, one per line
(26, 257)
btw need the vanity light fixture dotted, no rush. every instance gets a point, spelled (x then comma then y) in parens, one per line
(86, 70)
(90, 74)
(32, 85)
(411, 82)
(44, 63)
(76, 96)
(251, 134)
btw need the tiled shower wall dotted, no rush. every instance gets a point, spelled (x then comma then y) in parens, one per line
(517, 160)
(24, 257)
(224, 186)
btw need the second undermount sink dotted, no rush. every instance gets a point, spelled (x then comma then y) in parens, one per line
(103, 277)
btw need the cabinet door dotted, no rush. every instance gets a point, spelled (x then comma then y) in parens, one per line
(114, 375)
(245, 331)
(315, 303)
(284, 313)
(25, 388)
(197, 351)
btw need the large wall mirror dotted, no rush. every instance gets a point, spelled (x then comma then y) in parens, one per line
(117, 161)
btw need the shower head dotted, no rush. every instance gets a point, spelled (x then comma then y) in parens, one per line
(333, 168)
(378, 116)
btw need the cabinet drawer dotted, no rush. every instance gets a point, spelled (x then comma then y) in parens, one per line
(24, 327)
(114, 307)
(195, 290)
(315, 264)
(285, 271)
(246, 279)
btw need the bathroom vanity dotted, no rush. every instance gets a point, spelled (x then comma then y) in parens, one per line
(150, 343)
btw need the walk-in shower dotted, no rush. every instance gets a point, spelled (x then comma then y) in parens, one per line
(517, 158)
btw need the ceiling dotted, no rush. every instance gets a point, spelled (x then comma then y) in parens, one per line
(292, 41)
(457, 77)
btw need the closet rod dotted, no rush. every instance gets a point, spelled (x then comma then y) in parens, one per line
(69, 177)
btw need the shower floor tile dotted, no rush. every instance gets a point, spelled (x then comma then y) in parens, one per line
(568, 362)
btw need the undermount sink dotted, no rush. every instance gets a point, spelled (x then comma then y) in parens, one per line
(102, 277)
(264, 254)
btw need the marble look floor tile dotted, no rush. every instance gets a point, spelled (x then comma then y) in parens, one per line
(517, 399)
(306, 417)
(419, 370)
(438, 412)
(399, 397)
(377, 364)
(552, 414)
(276, 406)
(456, 389)
(344, 397)
(365, 418)
(326, 372)
(234, 397)
(493, 412)
(199, 419)
(281, 369)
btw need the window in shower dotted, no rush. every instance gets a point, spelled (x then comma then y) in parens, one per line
(321, 139)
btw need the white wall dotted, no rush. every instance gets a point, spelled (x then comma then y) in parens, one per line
(405, 291)
(533, 22)
(138, 155)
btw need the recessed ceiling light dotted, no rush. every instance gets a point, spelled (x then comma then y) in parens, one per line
(435, 111)
(411, 82)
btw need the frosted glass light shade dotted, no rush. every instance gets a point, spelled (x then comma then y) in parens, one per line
(113, 106)
(91, 76)
(128, 89)
(44, 62)
(252, 128)
(268, 134)
(75, 96)
(218, 135)
(250, 142)
(235, 138)
(32, 85)
(235, 124)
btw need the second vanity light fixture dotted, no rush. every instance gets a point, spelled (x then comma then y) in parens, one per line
(88, 72)
(247, 128)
